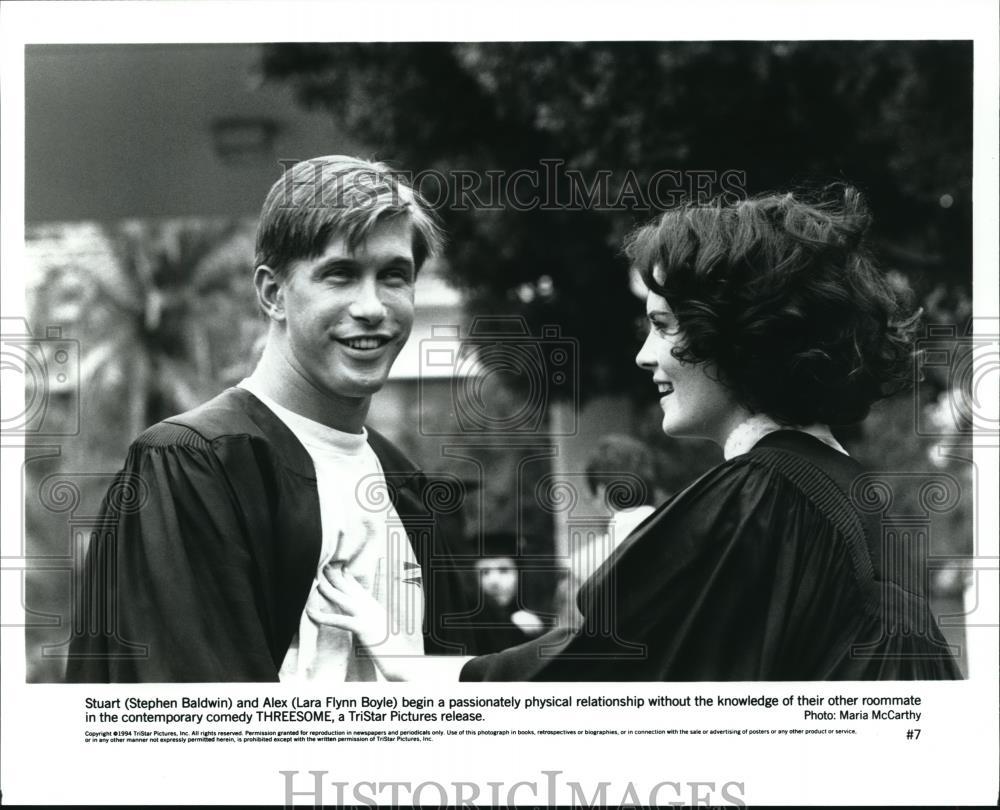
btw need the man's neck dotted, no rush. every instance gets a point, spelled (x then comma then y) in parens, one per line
(283, 383)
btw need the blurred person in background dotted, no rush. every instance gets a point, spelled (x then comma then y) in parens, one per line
(623, 477)
(501, 622)
(244, 500)
(768, 322)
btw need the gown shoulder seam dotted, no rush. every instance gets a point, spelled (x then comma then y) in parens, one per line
(833, 503)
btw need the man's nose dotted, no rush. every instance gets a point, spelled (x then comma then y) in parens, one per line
(367, 305)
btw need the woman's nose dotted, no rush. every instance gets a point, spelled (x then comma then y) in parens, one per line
(646, 358)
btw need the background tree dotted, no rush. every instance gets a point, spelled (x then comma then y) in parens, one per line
(165, 319)
(891, 117)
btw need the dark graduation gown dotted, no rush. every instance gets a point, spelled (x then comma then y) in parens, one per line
(494, 629)
(208, 546)
(762, 570)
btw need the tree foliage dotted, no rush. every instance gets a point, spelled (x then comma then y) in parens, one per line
(891, 117)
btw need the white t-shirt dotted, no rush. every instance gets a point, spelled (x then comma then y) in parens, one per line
(362, 530)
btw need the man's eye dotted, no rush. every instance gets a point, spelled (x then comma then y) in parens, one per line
(397, 276)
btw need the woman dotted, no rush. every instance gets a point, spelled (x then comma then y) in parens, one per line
(768, 322)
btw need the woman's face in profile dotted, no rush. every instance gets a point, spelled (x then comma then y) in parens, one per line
(694, 403)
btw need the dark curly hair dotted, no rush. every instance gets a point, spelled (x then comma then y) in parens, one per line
(780, 295)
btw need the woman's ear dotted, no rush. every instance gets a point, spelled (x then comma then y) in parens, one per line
(270, 291)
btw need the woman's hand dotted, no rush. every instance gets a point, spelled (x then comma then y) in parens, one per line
(353, 608)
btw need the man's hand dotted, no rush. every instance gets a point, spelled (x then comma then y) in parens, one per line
(528, 622)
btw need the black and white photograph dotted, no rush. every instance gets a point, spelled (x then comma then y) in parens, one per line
(449, 363)
(698, 466)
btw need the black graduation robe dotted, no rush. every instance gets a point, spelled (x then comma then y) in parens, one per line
(494, 629)
(208, 546)
(762, 570)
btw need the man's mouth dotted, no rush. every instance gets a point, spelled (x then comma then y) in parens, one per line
(665, 389)
(366, 343)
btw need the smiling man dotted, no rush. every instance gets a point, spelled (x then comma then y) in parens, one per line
(209, 574)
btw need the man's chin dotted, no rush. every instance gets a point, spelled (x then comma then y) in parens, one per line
(361, 387)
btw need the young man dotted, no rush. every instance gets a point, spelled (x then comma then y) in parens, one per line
(209, 574)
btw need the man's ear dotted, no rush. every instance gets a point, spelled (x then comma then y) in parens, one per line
(270, 291)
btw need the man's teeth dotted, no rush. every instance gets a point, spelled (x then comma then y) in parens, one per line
(665, 388)
(365, 342)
